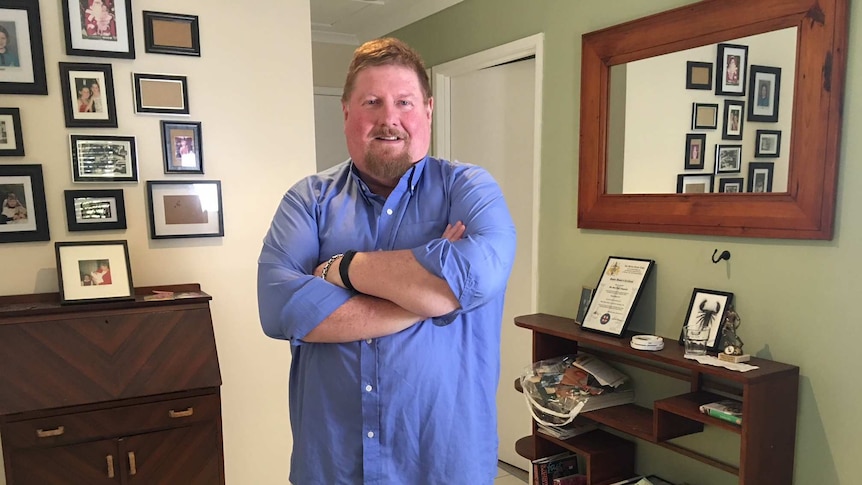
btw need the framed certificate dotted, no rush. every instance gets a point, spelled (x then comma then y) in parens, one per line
(616, 295)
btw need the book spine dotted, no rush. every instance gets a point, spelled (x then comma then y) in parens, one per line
(724, 416)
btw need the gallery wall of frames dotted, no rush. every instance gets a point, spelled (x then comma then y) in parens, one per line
(182, 204)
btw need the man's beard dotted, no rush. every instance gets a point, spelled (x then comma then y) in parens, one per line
(384, 164)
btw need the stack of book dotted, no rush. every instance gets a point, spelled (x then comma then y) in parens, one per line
(549, 468)
(577, 427)
(727, 409)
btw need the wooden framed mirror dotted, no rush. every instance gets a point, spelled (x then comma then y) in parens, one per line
(804, 209)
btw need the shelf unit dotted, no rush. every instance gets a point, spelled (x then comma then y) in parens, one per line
(769, 397)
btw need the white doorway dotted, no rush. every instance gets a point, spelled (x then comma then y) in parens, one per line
(488, 112)
(329, 143)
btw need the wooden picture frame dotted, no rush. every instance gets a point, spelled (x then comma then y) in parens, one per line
(161, 94)
(182, 146)
(701, 183)
(731, 65)
(89, 271)
(103, 158)
(704, 116)
(767, 144)
(11, 138)
(760, 176)
(728, 159)
(95, 210)
(23, 212)
(734, 117)
(731, 185)
(182, 209)
(616, 296)
(707, 309)
(88, 95)
(22, 67)
(698, 75)
(695, 146)
(764, 91)
(99, 28)
(171, 33)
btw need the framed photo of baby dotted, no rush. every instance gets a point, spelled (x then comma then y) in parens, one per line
(99, 28)
(88, 95)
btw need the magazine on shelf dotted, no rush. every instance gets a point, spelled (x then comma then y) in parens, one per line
(726, 409)
(546, 469)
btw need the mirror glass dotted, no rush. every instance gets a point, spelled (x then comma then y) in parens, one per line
(658, 145)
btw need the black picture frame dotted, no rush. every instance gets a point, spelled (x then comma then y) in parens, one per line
(698, 75)
(760, 176)
(734, 119)
(583, 304)
(764, 92)
(616, 295)
(95, 210)
(182, 146)
(27, 187)
(695, 145)
(107, 32)
(704, 116)
(94, 271)
(161, 94)
(171, 33)
(767, 144)
(83, 108)
(185, 209)
(728, 159)
(707, 308)
(22, 71)
(730, 69)
(103, 158)
(731, 185)
(700, 183)
(11, 138)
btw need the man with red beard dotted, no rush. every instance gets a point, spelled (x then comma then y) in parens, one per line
(387, 275)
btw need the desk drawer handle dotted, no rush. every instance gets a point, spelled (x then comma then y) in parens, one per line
(181, 414)
(47, 433)
(110, 460)
(133, 468)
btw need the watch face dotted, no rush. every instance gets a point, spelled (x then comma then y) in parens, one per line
(729, 350)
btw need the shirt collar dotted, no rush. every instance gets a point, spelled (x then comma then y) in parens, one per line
(410, 178)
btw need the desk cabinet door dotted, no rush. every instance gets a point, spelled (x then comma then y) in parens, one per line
(94, 463)
(187, 456)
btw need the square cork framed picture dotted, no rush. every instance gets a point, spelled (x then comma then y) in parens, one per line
(185, 209)
(171, 33)
(161, 94)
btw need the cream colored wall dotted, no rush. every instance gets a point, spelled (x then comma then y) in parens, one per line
(252, 90)
(797, 299)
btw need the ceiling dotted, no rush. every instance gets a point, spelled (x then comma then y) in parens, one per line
(355, 21)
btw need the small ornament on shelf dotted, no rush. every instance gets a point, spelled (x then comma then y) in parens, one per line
(730, 341)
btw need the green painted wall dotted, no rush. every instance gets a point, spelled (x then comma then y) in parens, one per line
(796, 298)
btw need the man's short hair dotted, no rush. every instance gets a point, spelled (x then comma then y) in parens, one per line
(383, 52)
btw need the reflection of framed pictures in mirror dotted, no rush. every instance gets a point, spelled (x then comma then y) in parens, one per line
(171, 33)
(11, 139)
(734, 114)
(706, 309)
(94, 271)
(694, 183)
(764, 88)
(103, 158)
(728, 159)
(22, 65)
(88, 95)
(760, 176)
(182, 147)
(99, 28)
(729, 185)
(161, 94)
(767, 144)
(695, 144)
(730, 69)
(704, 116)
(24, 214)
(185, 209)
(95, 210)
(698, 75)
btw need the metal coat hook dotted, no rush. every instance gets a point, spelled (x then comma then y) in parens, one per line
(725, 255)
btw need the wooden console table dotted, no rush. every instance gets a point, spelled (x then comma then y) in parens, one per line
(121, 392)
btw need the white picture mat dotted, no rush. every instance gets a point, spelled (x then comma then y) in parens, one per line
(23, 74)
(69, 270)
(209, 198)
(769, 109)
(28, 203)
(11, 133)
(79, 216)
(739, 87)
(120, 20)
(100, 78)
(709, 299)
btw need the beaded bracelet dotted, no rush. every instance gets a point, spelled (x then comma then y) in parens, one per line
(328, 264)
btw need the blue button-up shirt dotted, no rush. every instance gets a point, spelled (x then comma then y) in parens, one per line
(417, 407)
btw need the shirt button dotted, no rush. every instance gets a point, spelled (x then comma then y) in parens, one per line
(371, 434)
(389, 212)
(368, 388)
(368, 341)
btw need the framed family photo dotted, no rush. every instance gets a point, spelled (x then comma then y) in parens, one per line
(185, 209)
(768, 144)
(24, 214)
(763, 94)
(728, 159)
(88, 95)
(728, 185)
(91, 271)
(103, 158)
(95, 210)
(730, 70)
(704, 116)
(171, 33)
(22, 55)
(694, 183)
(182, 148)
(698, 75)
(694, 147)
(760, 176)
(11, 139)
(161, 94)
(706, 309)
(99, 28)
(734, 115)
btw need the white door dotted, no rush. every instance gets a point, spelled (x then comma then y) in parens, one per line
(329, 143)
(491, 121)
